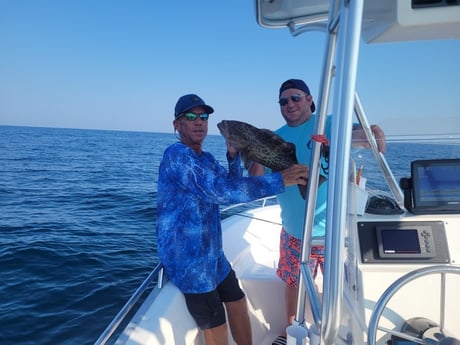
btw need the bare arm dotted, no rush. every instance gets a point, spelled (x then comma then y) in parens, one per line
(256, 169)
(359, 138)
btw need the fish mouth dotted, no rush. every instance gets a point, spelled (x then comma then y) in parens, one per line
(222, 128)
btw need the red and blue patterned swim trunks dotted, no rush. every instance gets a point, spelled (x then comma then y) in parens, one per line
(289, 262)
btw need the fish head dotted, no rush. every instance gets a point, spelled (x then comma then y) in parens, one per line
(236, 133)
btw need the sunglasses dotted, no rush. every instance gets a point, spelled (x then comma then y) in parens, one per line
(295, 98)
(193, 116)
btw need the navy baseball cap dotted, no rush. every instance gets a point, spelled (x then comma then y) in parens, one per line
(297, 84)
(188, 102)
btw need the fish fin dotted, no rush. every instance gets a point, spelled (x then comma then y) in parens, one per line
(292, 146)
(303, 190)
(246, 160)
(322, 179)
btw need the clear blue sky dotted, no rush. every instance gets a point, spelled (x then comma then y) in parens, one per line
(122, 64)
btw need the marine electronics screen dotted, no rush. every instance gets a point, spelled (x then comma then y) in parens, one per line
(400, 242)
(436, 184)
(404, 241)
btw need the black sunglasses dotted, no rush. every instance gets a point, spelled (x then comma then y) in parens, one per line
(295, 98)
(192, 116)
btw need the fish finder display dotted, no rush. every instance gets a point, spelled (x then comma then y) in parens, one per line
(406, 242)
(397, 242)
(403, 242)
(436, 184)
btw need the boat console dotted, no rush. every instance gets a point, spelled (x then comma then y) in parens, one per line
(406, 269)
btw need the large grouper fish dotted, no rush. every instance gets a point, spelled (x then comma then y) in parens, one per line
(260, 145)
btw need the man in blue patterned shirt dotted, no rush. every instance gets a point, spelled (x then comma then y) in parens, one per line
(191, 186)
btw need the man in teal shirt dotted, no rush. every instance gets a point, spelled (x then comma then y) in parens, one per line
(297, 108)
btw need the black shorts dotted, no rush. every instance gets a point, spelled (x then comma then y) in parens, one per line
(207, 308)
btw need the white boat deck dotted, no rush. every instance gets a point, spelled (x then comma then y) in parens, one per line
(251, 243)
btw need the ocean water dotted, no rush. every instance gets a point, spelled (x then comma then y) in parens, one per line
(77, 228)
(77, 225)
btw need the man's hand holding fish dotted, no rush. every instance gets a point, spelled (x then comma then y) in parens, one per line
(295, 174)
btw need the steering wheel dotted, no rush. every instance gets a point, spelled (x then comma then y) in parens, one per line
(395, 287)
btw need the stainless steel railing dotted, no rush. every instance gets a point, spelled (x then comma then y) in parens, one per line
(120, 317)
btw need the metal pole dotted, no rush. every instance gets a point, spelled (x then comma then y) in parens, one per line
(345, 86)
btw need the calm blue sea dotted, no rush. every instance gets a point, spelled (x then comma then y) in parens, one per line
(77, 226)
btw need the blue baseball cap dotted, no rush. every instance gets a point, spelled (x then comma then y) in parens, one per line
(300, 85)
(188, 102)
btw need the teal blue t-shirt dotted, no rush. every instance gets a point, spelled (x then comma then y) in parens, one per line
(292, 204)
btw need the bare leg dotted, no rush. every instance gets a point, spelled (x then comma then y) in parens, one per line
(238, 319)
(291, 304)
(217, 335)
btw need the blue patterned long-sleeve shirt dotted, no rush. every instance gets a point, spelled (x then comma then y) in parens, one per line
(191, 187)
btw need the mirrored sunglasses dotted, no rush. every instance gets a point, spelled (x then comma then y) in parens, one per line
(192, 116)
(295, 98)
